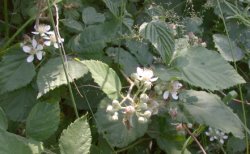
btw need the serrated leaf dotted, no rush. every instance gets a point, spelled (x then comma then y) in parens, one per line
(206, 108)
(193, 24)
(166, 74)
(15, 72)
(13, 144)
(90, 16)
(3, 120)
(17, 104)
(76, 139)
(223, 45)
(52, 75)
(43, 120)
(206, 69)
(115, 6)
(94, 37)
(116, 132)
(105, 77)
(160, 36)
(73, 25)
(127, 62)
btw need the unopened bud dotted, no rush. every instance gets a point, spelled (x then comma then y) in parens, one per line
(129, 109)
(147, 114)
(142, 120)
(116, 104)
(114, 117)
(109, 109)
(147, 85)
(143, 106)
(144, 98)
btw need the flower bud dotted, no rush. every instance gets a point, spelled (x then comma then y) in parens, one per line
(116, 105)
(110, 109)
(147, 85)
(142, 120)
(129, 110)
(114, 117)
(143, 106)
(134, 76)
(144, 98)
(147, 114)
(189, 125)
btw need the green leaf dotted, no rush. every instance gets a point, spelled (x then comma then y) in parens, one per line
(90, 16)
(43, 120)
(127, 62)
(115, 7)
(105, 77)
(52, 75)
(15, 72)
(224, 47)
(73, 25)
(207, 108)
(193, 24)
(235, 145)
(13, 144)
(3, 120)
(94, 37)
(116, 132)
(160, 36)
(167, 74)
(206, 69)
(76, 139)
(17, 104)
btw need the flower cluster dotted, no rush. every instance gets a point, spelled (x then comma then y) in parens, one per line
(216, 134)
(42, 36)
(168, 90)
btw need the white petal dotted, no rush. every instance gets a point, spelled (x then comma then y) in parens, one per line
(165, 95)
(47, 28)
(34, 43)
(221, 141)
(61, 40)
(211, 139)
(153, 79)
(207, 133)
(46, 37)
(174, 95)
(148, 73)
(39, 47)
(39, 55)
(26, 49)
(51, 32)
(47, 43)
(35, 33)
(139, 71)
(225, 137)
(56, 45)
(30, 58)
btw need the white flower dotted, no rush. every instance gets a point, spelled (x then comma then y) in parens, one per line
(175, 86)
(51, 39)
(211, 133)
(221, 136)
(41, 29)
(216, 134)
(35, 49)
(146, 75)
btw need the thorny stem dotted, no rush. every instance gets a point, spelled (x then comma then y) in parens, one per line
(62, 58)
(195, 139)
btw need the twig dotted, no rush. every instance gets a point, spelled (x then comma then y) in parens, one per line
(236, 100)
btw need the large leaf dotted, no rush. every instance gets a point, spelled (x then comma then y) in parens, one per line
(160, 36)
(90, 16)
(224, 47)
(13, 144)
(115, 6)
(73, 25)
(17, 104)
(207, 108)
(15, 72)
(94, 37)
(76, 139)
(127, 62)
(116, 132)
(3, 120)
(52, 74)
(105, 77)
(206, 69)
(43, 120)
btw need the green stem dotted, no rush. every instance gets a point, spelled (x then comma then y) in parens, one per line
(62, 59)
(239, 86)
(6, 19)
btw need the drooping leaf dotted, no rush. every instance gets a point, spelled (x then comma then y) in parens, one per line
(160, 36)
(94, 37)
(115, 7)
(127, 62)
(206, 108)
(43, 120)
(76, 139)
(3, 120)
(73, 25)
(15, 71)
(224, 47)
(105, 77)
(12, 144)
(52, 74)
(117, 133)
(206, 69)
(90, 16)
(17, 104)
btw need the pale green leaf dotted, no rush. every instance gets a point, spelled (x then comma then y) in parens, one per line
(160, 36)
(73, 25)
(117, 133)
(76, 139)
(17, 104)
(105, 77)
(52, 74)
(43, 120)
(206, 108)
(166, 74)
(224, 47)
(3, 120)
(15, 72)
(206, 69)
(14, 144)
(127, 62)
(90, 16)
